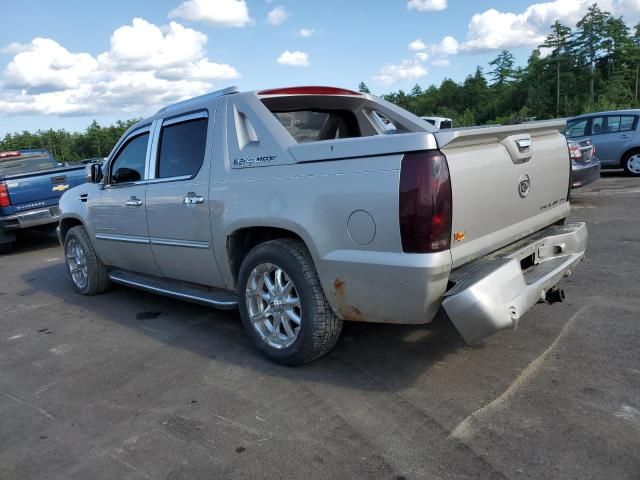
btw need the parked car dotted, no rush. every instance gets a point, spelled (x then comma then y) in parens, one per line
(439, 122)
(300, 208)
(585, 167)
(31, 183)
(615, 135)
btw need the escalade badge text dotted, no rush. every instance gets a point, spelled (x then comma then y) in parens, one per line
(524, 185)
(253, 161)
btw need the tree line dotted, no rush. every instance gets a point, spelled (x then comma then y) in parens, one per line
(594, 66)
(95, 141)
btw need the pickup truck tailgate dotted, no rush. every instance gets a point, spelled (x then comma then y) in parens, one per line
(36, 189)
(507, 182)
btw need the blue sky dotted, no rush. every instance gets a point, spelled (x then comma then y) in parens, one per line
(92, 60)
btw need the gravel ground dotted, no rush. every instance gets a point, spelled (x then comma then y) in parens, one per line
(129, 385)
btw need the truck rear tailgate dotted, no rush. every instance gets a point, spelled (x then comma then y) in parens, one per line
(41, 189)
(507, 182)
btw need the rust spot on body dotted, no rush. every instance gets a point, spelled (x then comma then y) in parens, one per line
(345, 311)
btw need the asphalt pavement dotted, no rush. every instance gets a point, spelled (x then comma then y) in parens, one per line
(129, 385)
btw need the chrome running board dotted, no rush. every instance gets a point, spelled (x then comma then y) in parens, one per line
(212, 297)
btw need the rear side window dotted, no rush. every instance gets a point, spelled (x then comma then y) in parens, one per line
(626, 123)
(314, 125)
(598, 126)
(577, 128)
(130, 161)
(26, 163)
(181, 149)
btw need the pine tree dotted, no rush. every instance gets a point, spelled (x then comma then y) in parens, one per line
(558, 40)
(362, 88)
(589, 41)
(503, 71)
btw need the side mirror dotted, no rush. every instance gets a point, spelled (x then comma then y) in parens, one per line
(124, 175)
(93, 173)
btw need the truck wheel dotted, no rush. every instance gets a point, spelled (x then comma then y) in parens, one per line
(282, 304)
(88, 274)
(631, 163)
(5, 248)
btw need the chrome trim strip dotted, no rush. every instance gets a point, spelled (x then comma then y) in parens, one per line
(168, 242)
(122, 238)
(152, 152)
(185, 118)
(224, 304)
(168, 179)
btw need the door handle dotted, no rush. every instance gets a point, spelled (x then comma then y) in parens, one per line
(192, 199)
(624, 137)
(133, 202)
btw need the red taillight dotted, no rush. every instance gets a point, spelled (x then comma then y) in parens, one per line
(308, 91)
(13, 153)
(425, 203)
(5, 201)
(574, 151)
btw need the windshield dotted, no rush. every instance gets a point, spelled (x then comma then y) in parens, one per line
(26, 163)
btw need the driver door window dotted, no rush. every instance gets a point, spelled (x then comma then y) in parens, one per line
(129, 164)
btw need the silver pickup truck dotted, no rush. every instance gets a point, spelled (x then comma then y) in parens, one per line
(307, 206)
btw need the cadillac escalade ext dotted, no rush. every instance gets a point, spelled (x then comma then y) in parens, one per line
(305, 207)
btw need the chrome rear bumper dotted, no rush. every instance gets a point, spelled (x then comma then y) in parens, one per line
(493, 292)
(31, 218)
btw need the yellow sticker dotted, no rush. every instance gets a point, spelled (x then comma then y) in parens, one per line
(458, 236)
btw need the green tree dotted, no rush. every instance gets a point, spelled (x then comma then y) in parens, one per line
(503, 71)
(362, 88)
(559, 42)
(590, 40)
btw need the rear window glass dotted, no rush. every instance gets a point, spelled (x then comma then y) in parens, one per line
(182, 147)
(26, 163)
(626, 123)
(446, 124)
(315, 125)
(577, 128)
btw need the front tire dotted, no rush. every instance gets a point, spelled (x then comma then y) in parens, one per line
(282, 304)
(88, 274)
(631, 163)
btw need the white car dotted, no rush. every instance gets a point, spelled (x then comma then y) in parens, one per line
(439, 122)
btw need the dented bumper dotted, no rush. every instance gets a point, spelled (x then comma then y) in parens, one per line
(493, 293)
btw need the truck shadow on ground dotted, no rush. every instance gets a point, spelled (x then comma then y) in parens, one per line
(367, 356)
(32, 240)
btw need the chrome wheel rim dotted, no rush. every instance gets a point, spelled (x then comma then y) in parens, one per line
(273, 305)
(77, 263)
(633, 163)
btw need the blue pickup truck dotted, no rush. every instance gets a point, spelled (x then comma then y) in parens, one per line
(31, 183)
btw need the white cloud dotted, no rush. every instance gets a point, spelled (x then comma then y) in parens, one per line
(447, 46)
(427, 5)
(422, 56)
(294, 59)
(45, 65)
(417, 45)
(278, 16)
(306, 32)
(441, 62)
(222, 13)
(146, 66)
(407, 70)
(496, 30)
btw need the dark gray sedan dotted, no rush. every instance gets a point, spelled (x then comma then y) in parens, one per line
(585, 167)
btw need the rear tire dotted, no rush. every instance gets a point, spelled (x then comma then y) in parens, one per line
(631, 163)
(5, 248)
(282, 304)
(88, 274)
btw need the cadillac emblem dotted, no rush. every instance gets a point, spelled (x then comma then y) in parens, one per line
(524, 185)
